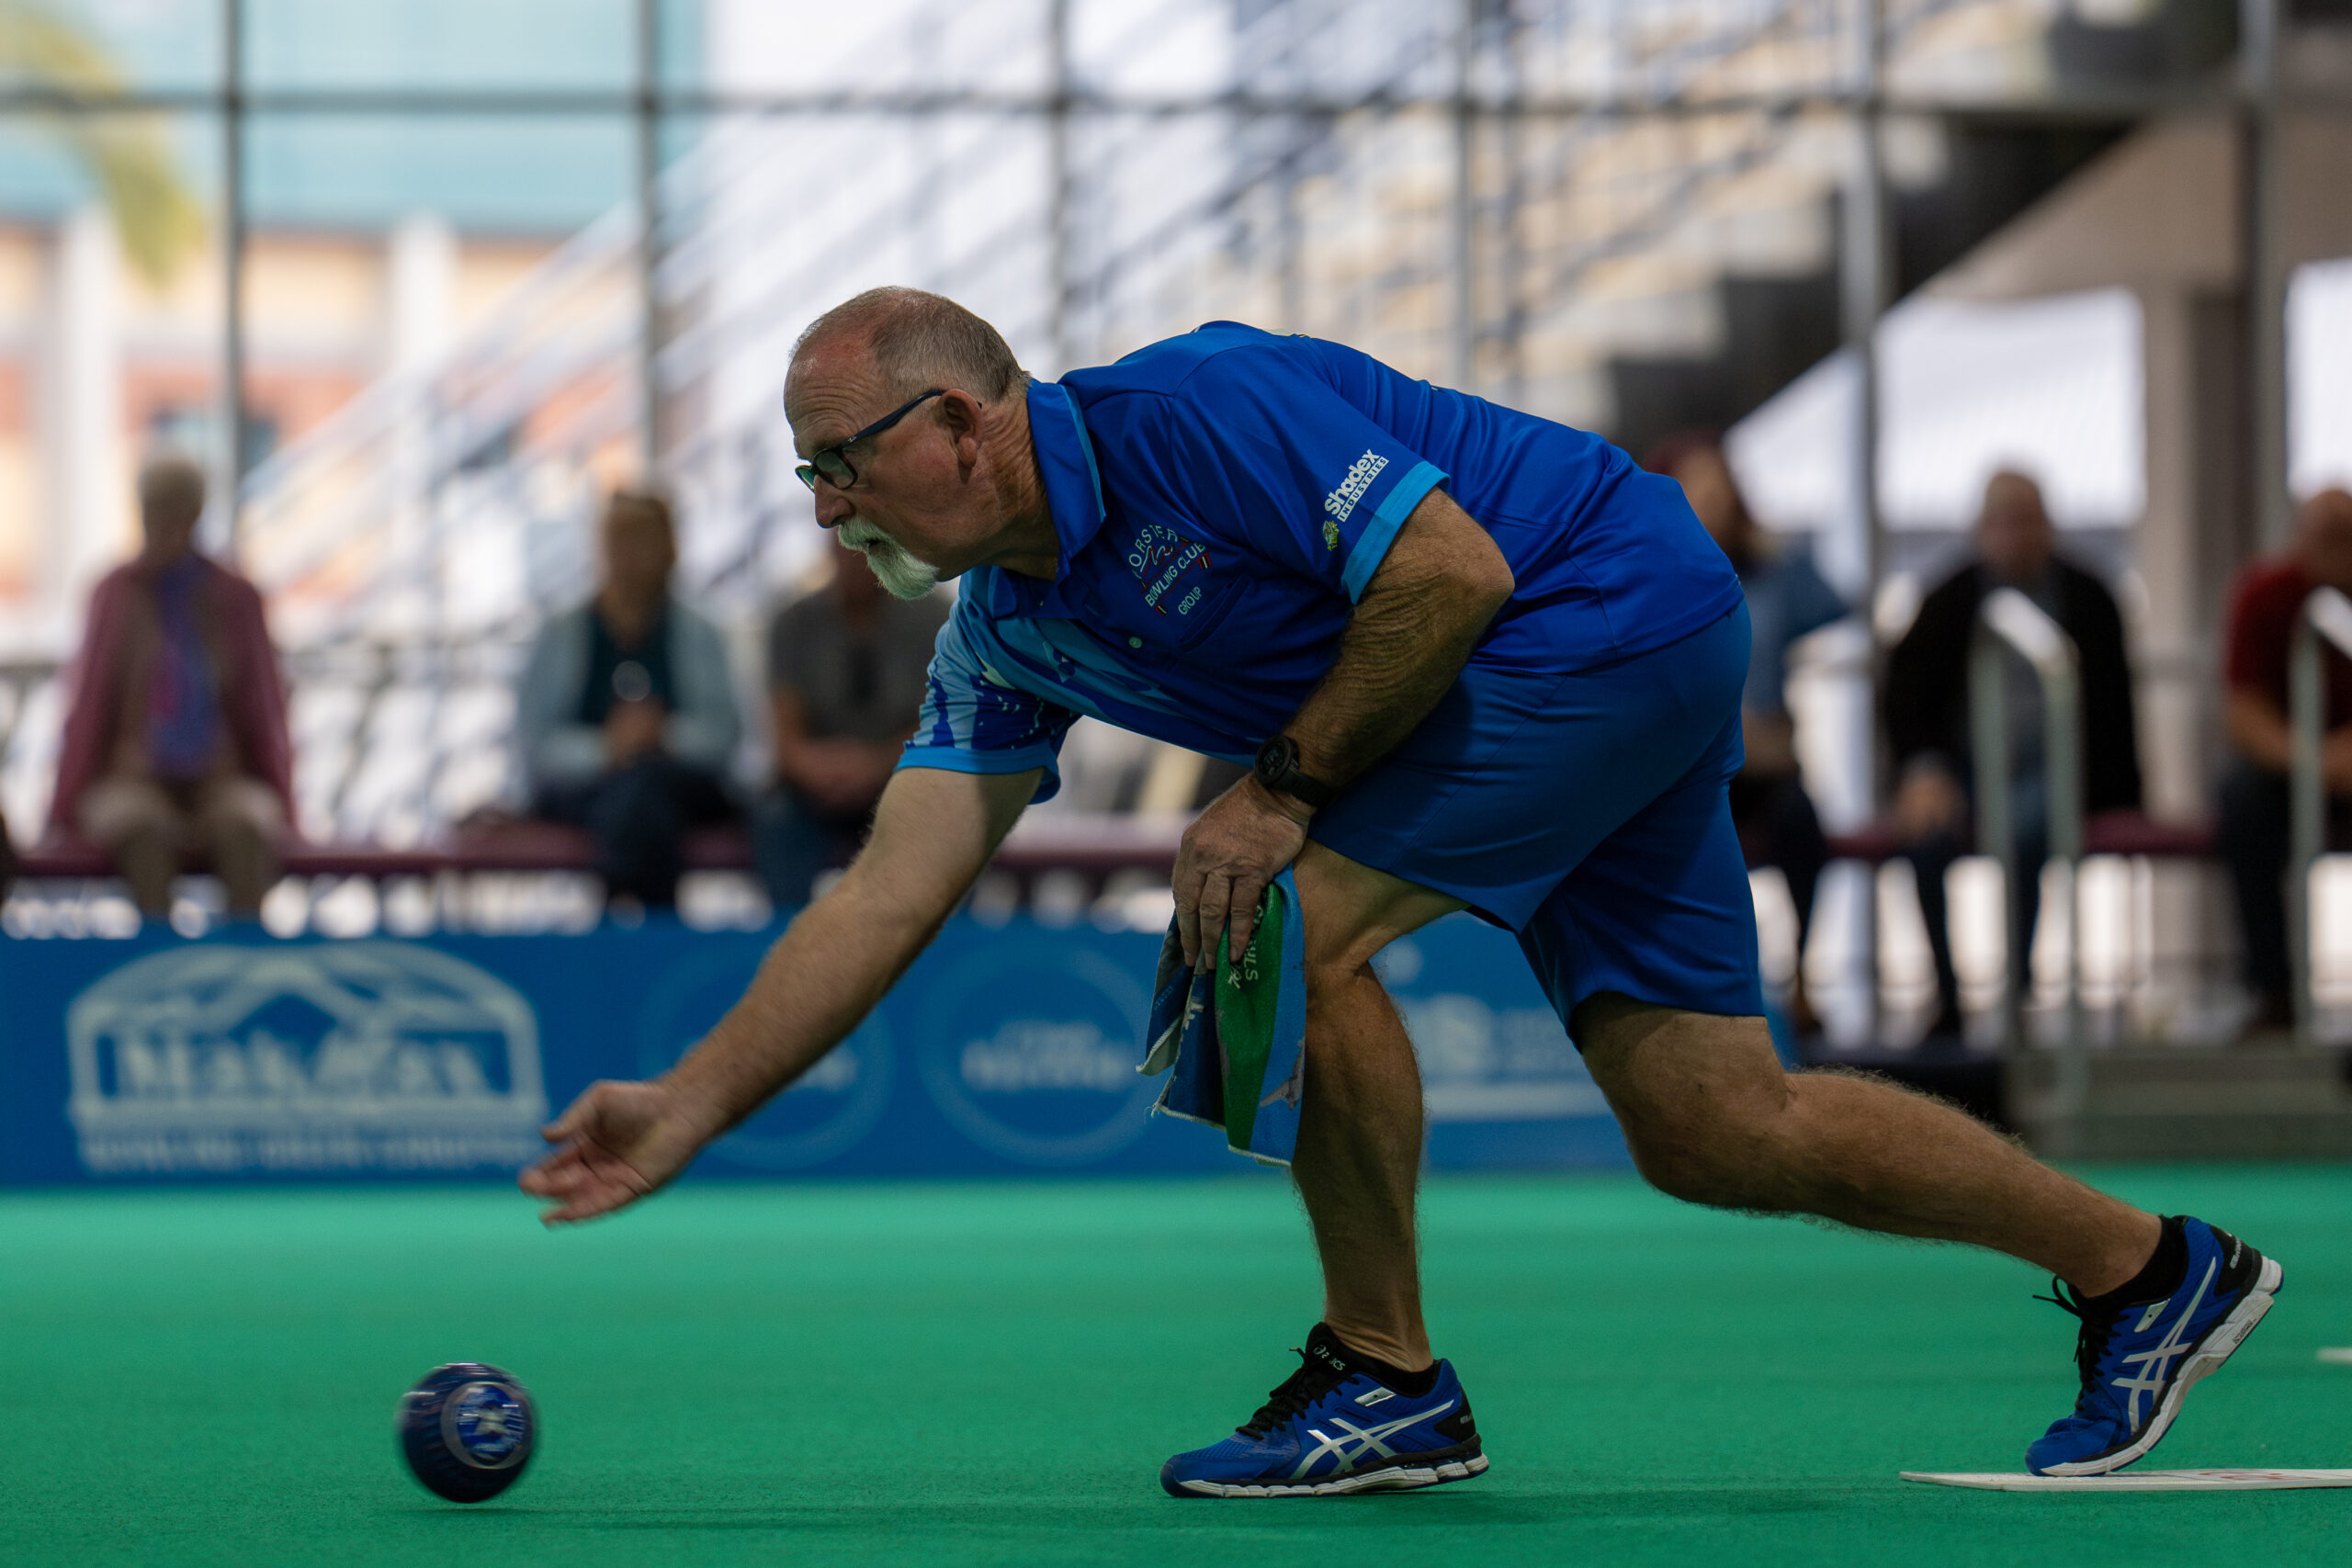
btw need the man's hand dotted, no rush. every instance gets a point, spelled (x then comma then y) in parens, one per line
(1428, 602)
(618, 1142)
(933, 834)
(633, 730)
(1228, 855)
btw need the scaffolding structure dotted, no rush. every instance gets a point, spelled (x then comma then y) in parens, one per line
(1625, 214)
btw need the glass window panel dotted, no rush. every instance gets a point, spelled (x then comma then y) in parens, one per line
(516, 173)
(1602, 249)
(1153, 49)
(110, 338)
(1656, 50)
(682, 41)
(157, 45)
(440, 315)
(882, 46)
(1344, 49)
(761, 239)
(440, 43)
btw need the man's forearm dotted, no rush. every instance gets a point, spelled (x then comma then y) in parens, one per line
(1404, 648)
(933, 834)
(816, 985)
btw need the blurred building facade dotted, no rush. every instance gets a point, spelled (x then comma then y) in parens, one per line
(468, 263)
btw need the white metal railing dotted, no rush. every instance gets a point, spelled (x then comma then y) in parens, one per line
(2326, 617)
(2007, 620)
(456, 502)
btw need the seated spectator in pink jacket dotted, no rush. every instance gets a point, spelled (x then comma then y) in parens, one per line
(176, 739)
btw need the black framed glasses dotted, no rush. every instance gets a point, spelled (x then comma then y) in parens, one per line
(832, 462)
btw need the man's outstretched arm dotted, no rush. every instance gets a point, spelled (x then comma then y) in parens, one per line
(933, 834)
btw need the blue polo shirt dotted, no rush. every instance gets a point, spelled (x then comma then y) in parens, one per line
(1224, 498)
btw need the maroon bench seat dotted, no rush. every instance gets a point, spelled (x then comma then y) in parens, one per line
(2109, 833)
(73, 858)
(1096, 846)
(1092, 845)
(520, 846)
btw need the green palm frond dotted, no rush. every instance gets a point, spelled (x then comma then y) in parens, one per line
(155, 213)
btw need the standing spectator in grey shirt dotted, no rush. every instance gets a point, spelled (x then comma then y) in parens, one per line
(846, 667)
(627, 712)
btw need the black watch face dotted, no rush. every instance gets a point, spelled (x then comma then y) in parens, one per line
(1273, 758)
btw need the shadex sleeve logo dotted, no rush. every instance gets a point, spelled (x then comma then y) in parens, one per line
(1340, 505)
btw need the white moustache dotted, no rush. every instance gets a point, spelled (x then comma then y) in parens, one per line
(900, 573)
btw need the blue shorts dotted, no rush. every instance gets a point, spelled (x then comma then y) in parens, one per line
(1589, 814)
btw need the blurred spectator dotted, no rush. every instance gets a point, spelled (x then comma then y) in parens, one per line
(1926, 716)
(628, 713)
(1787, 599)
(2264, 608)
(176, 739)
(846, 667)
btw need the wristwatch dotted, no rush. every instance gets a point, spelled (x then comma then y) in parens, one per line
(1278, 769)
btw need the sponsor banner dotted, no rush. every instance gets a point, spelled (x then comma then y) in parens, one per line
(1003, 1050)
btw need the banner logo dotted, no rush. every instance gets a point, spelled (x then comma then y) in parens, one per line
(1481, 1063)
(829, 1112)
(219, 1059)
(1162, 560)
(1031, 1048)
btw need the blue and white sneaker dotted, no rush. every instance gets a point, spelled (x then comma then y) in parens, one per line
(1332, 1429)
(2140, 1360)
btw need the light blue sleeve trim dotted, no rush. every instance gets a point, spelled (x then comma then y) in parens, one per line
(1372, 546)
(1086, 445)
(991, 762)
(955, 760)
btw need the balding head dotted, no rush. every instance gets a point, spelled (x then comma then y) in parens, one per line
(2013, 532)
(2324, 538)
(910, 342)
(953, 482)
(171, 500)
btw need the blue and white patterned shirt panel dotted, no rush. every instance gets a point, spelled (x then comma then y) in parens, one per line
(974, 720)
(1003, 694)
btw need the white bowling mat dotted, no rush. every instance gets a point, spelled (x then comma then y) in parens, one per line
(2338, 1353)
(2145, 1480)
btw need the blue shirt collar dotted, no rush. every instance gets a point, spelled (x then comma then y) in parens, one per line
(1073, 495)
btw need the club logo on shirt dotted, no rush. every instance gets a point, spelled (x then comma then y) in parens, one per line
(1160, 559)
(1341, 502)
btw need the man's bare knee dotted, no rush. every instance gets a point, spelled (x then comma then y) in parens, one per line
(1703, 1100)
(1330, 977)
(1726, 1157)
(1351, 911)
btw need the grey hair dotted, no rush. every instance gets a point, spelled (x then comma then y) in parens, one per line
(920, 341)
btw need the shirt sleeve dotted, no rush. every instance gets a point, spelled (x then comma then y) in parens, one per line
(1276, 460)
(976, 721)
